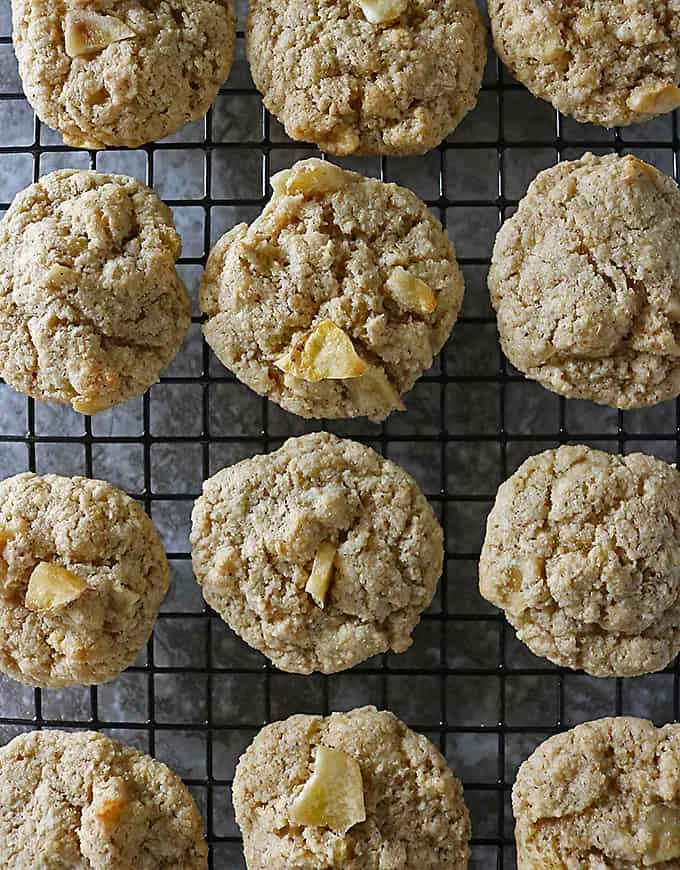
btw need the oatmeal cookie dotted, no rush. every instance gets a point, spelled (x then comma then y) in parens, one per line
(111, 73)
(82, 801)
(335, 300)
(82, 576)
(352, 790)
(582, 553)
(603, 796)
(607, 62)
(91, 305)
(367, 76)
(585, 280)
(320, 554)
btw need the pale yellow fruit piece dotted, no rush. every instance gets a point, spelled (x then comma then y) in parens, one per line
(662, 835)
(549, 47)
(309, 176)
(344, 141)
(89, 406)
(410, 293)
(588, 24)
(322, 571)
(59, 276)
(333, 797)
(51, 586)
(524, 575)
(87, 32)
(382, 11)
(327, 353)
(529, 570)
(655, 99)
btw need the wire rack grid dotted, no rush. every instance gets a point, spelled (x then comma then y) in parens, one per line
(197, 695)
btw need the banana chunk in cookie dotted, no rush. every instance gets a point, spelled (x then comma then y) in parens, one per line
(87, 32)
(333, 797)
(52, 586)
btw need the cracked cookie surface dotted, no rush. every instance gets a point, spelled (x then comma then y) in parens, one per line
(605, 795)
(111, 73)
(82, 801)
(607, 62)
(114, 561)
(416, 818)
(326, 248)
(259, 525)
(91, 305)
(353, 86)
(582, 554)
(585, 280)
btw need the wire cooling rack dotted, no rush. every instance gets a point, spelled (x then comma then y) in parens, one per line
(198, 695)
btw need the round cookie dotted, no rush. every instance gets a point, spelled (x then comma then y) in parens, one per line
(82, 801)
(82, 576)
(335, 300)
(607, 62)
(582, 554)
(367, 76)
(319, 555)
(585, 280)
(111, 73)
(91, 306)
(605, 795)
(415, 816)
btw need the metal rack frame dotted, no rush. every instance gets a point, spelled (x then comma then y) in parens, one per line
(490, 849)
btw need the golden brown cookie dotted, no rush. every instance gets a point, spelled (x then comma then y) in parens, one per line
(367, 76)
(335, 300)
(320, 554)
(122, 72)
(585, 280)
(85, 802)
(603, 796)
(608, 62)
(582, 554)
(91, 305)
(82, 576)
(352, 791)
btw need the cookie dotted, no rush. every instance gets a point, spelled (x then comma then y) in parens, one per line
(82, 576)
(607, 62)
(91, 306)
(82, 801)
(319, 555)
(582, 554)
(111, 73)
(367, 76)
(586, 282)
(604, 795)
(335, 300)
(352, 790)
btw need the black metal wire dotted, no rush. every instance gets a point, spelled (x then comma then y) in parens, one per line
(490, 848)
